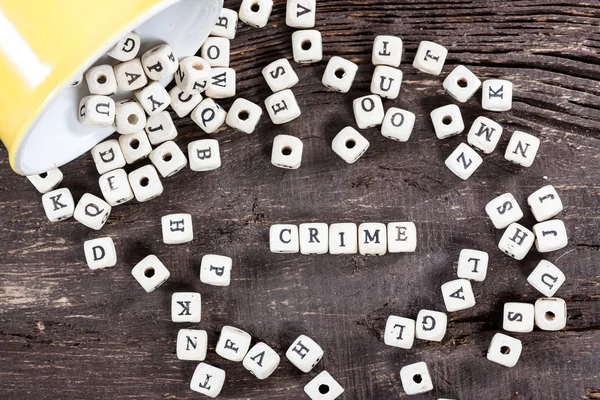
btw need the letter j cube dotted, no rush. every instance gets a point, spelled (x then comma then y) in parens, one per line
(304, 353)
(186, 307)
(177, 228)
(208, 380)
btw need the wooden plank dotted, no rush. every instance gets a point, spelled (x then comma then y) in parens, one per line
(68, 332)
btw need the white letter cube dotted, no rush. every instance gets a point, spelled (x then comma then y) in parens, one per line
(145, 183)
(399, 332)
(484, 134)
(307, 46)
(160, 128)
(96, 111)
(547, 278)
(447, 121)
(215, 270)
(430, 57)
(463, 161)
(550, 235)
(314, 238)
(233, 343)
(193, 74)
(204, 155)
(261, 360)
(431, 325)
(256, 12)
(545, 203)
(100, 253)
(284, 238)
(287, 152)
(208, 115)
(461, 83)
(243, 115)
(135, 146)
(216, 51)
(386, 82)
(323, 387)
(496, 95)
(46, 181)
(550, 313)
(415, 378)
(343, 238)
(349, 144)
(207, 380)
(168, 159)
(101, 80)
(304, 353)
(159, 62)
(398, 124)
(130, 75)
(282, 107)
(387, 50)
(226, 25)
(401, 237)
(522, 149)
(58, 204)
(280, 75)
(458, 295)
(518, 317)
(472, 264)
(115, 187)
(154, 98)
(300, 13)
(503, 210)
(129, 117)
(222, 84)
(368, 111)
(372, 238)
(183, 102)
(504, 350)
(92, 211)
(107, 156)
(339, 74)
(150, 273)
(177, 228)
(192, 344)
(516, 241)
(126, 48)
(186, 307)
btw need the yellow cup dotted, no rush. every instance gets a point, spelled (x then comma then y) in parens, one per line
(46, 45)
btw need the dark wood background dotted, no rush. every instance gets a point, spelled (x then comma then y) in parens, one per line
(67, 332)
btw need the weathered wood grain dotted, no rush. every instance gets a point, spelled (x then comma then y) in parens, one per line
(68, 332)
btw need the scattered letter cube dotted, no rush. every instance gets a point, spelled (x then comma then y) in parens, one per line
(282, 107)
(126, 48)
(150, 273)
(386, 82)
(261, 360)
(431, 325)
(398, 124)
(193, 74)
(546, 278)
(304, 353)
(115, 187)
(387, 50)
(503, 210)
(368, 111)
(399, 332)
(323, 387)
(458, 295)
(215, 270)
(339, 74)
(447, 121)
(522, 148)
(307, 46)
(349, 144)
(484, 134)
(186, 307)
(46, 181)
(216, 51)
(159, 62)
(204, 155)
(192, 344)
(284, 238)
(130, 75)
(280, 75)
(463, 161)
(160, 128)
(145, 183)
(168, 159)
(518, 317)
(207, 380)
(92, 211)
(177, 228)
(430, 57)
(545, 203)
(58, 204)
(300, 13)
(129, 117)
(256, 12)
(516, 241)
(550, 235)
(243, 115)
(504, 350)
(461, 83)
(550, 313)
(208, 115)
(96, 111)
(100, 253)
(233, 343)
(496, 95)
(101, 80)
(287, 152)
(415, 378)
(472, 264)
(226, 25)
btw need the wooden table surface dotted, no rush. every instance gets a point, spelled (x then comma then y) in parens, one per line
(67, 332)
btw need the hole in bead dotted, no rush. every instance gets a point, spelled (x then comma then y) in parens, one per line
(149, 272)
(134, 144)
(462, 82)
(340, 73)
(550, 316)
(350, 143)
(286, 151)
(144, 182)
(417, 378)
(505, 350)
(133, 119)
(323, 388)
(198, 66)
(306, 45)
(43, 175)
(167, 157)
(101, 79)
(447, 120)
(243, 115)
(255, 7)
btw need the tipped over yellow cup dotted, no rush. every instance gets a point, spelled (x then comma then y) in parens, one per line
(46, 45)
